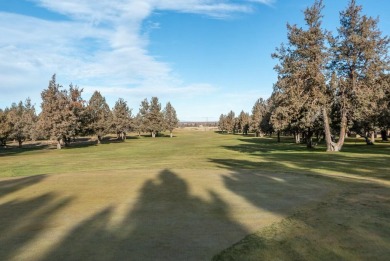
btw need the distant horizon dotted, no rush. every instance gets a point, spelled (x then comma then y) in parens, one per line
(206, 58)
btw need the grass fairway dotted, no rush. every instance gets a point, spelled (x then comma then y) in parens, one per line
(194, 197)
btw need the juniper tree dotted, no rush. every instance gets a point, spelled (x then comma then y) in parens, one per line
(243, 122)
(77, 108)
(122, 119)
(230, 122)
(56, 119)
(22, 118)
(5, 126)
(155, 117)
(301, 84)
(360, 59)
(99, 116)
(170, 118)
(144, 116)
(222, 124)
(137, 124)
(258, 112)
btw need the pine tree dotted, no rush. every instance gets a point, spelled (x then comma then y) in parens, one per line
(243, 122)
(170, 118)
(222, 123)
(301, 84)
(155, 117)
(5, 126)
(56, 119)
(258, 112)
(359, 59)
(122, 118)
(99, 116)
(230, 122)
(22, 117)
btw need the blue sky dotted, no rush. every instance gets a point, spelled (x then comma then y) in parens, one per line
(206, 57)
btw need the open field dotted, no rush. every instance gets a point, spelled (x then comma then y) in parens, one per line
(191, 197)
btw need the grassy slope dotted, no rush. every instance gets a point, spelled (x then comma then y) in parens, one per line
(352, 223)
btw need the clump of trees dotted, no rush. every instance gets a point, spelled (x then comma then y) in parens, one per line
(65, 115)
(328, 85)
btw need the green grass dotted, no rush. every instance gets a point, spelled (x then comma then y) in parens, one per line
(200, 150)
(190, 197)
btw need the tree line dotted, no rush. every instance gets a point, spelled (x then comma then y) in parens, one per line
(65, 115)
(328, 85)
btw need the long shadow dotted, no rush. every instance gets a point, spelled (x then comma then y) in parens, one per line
(13, 185)
(350, 223)
(166, 223)
(22, 221)
(291, 157)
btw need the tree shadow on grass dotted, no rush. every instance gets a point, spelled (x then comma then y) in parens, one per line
(290, 157)
(166, 223)
(351, 223)
(13, 185)
(22, 221)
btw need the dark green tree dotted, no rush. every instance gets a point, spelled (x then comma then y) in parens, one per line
(122, 119)
(99, 116)
(170, 118)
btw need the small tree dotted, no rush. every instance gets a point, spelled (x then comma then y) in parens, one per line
(222, 124)
(22, 117)
(230, 122)
(170, 118)
(243, 122)
(5, 126)
(259, 110)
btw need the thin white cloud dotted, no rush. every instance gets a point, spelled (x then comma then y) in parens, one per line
(101, 44)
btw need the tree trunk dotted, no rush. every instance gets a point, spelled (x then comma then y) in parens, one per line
(278, 136)
(59, 144)
(309, 139)
(297, 137)
(20, 143)
(330, 145)
(153, 134)
(99, 139)
(373, 137)
(384, 135)
(171, 134)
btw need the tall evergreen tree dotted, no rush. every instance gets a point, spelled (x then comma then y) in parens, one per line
(122, 118)
(301, 84)
(56, 119)
(170, 118)
(155, 117)
(100, 116)
(243, 122)
(222, 123)
(359, 59)
(258, 112)
(230, 122)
